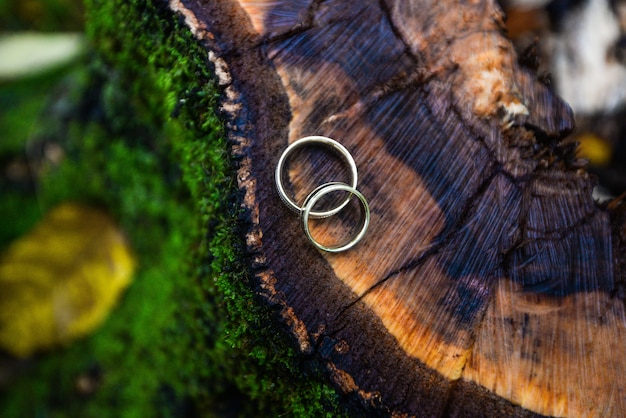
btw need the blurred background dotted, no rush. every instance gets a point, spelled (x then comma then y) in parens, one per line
(579, 47)
(41, 42)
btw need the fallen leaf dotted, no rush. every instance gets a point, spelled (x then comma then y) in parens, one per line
(594, 148)
(60, 281)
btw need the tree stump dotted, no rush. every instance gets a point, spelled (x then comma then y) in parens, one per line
(487, 283)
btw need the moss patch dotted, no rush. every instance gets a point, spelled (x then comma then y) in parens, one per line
(189, 338)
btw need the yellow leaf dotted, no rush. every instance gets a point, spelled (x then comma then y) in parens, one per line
(59, 282)
(594, 148)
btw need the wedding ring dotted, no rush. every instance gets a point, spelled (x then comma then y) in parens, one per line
(333, 145)
(315, 196)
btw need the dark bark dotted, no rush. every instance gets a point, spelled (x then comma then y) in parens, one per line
(486, 284)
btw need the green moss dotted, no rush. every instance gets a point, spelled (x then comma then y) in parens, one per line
(190, 337)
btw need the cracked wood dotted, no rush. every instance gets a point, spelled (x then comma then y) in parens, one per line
(485, 285)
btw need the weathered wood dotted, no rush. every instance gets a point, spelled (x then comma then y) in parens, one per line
(485, 285)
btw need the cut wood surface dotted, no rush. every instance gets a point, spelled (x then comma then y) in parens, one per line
(486, 284)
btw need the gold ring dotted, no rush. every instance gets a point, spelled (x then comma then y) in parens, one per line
(320, 140)
(316, 195)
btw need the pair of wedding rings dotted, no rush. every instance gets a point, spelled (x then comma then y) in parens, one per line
(307, 211)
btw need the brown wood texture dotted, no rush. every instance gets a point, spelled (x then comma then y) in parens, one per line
(486, 284)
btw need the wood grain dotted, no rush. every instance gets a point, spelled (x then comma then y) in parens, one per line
(485, 285)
